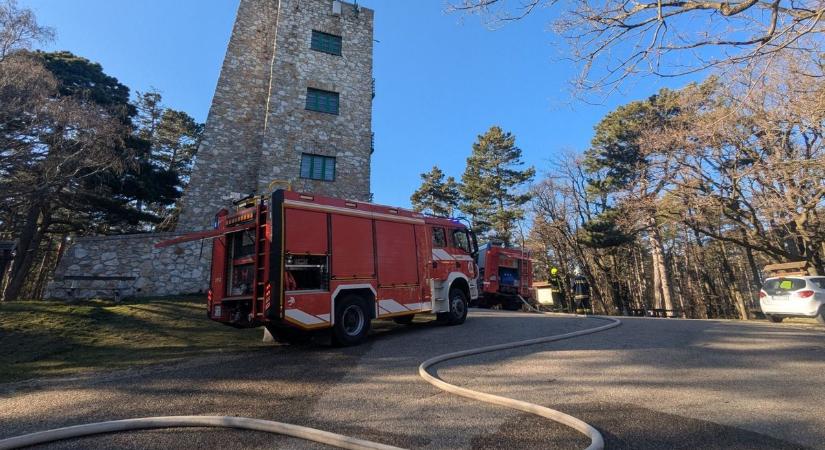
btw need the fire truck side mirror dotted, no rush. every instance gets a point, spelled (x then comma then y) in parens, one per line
(474, 243)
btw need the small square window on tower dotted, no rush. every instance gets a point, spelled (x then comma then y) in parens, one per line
(317, 167)
(322, 101)
(325, 42)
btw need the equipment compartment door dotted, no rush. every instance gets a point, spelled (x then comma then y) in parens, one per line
(353, 254)
(398, 274)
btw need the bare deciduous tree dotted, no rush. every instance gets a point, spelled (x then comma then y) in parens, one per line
(614, 39)
(19, 29)
(733, 179)
(753, 171)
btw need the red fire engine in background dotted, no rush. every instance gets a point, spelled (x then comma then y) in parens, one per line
(505, 277)
(296, 262)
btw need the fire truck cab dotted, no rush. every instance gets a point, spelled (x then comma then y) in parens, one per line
(296, 263)
(505, 277)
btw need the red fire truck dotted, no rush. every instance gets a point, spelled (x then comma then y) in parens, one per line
(505, 276)
(296, 262)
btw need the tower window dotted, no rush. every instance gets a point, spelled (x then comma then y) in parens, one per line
(325, 42)
(317, 167)
(322, 101)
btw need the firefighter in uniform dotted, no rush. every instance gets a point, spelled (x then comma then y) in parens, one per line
(581, 293)
(557, 290)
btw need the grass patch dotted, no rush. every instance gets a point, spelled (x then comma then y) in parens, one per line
(46, 339)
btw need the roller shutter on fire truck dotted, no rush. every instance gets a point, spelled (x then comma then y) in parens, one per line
(353, 250)
(306, 232)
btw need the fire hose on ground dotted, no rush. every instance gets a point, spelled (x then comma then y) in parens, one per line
(324, 437)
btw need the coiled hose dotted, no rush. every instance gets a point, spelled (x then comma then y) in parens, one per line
(596, 440)
(324, 437)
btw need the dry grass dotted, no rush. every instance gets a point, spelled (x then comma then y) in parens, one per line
(46, 339)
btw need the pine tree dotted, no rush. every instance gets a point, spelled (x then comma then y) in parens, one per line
(122, 200)
(436, 196)
(623, 170)
(491, 182)
(79, 165)
(178, 138)
(174, 135)
(173, 138)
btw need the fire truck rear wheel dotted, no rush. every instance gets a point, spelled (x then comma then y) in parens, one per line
(458, 308)
(352, 321)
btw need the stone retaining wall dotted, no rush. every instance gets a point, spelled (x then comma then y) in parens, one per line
(130, 266)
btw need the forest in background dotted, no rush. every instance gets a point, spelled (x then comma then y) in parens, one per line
(682, 198)
(679, 202)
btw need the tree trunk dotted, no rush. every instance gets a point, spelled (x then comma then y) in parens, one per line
(42, 271)
(30, 237)
(703, 293)
(4, 276)
(596, 292)
(710, 287)
(657, 280)
(659, 264)
(641, 279)
(751, 284)
(756, 281)
(619, 302)
(737, 297)
(681, 287)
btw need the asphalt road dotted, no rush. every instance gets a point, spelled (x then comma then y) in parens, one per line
(651, 383)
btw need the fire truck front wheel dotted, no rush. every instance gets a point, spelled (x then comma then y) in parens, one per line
(352, 321)
(458, 308)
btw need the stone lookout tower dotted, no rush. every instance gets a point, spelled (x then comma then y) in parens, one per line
(293, 104)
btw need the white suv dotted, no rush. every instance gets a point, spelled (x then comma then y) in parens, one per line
(793, 297)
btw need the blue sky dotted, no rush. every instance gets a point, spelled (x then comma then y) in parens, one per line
(442, 79)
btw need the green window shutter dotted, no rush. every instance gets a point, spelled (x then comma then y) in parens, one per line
(306, 166)
(327, 43)
(323, 101)
(329, 169)
(316, 167)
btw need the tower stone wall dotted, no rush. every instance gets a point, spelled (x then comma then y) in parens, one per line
(259, 127)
